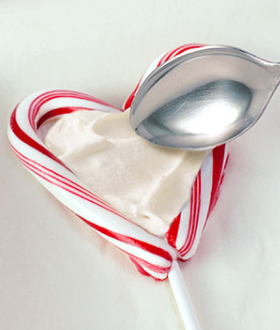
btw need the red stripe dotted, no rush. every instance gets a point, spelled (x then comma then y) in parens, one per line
(194, 217)
(130, 240)
(165, 58)
(166, 55)
(38, 102)
(48, 177)
(191, 216)
(131, 96)
(143, 263)
(198, 203)
(58, 112)
(28, 140)
(178, 51)
(66, 180)
(39, 173)
(140, 269)
(171, 234)
(218, 162)
(137, 262)
(48, 96)
(187, 47)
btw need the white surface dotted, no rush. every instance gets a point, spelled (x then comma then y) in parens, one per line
(54, 272)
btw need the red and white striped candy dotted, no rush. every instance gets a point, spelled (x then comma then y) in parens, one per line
(152, 255)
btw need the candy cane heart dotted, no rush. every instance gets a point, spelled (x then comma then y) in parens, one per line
(152, 255)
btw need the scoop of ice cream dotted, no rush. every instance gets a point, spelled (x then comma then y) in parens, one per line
(148, 184)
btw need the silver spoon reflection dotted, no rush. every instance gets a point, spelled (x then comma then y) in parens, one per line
(203, 98)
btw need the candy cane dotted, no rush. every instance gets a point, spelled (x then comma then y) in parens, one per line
(152, 255)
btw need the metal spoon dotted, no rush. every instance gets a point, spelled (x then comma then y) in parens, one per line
(203, 98)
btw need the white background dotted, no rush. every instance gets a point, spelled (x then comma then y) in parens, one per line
(54, 272)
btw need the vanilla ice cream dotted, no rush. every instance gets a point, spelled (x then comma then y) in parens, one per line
(148, 184)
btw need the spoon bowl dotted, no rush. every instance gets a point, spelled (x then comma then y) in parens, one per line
(203, 98)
